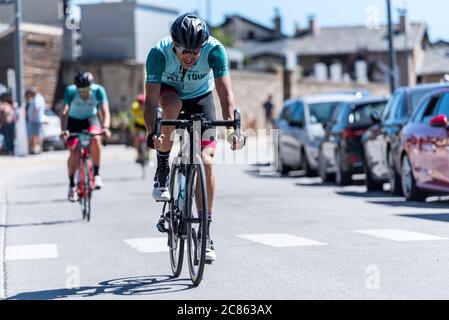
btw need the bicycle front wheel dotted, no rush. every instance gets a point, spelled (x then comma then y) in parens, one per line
(175, 231)
(196, 213)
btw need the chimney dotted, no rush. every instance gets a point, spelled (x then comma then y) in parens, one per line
(404, 24)
(313, 25)
(277, 23)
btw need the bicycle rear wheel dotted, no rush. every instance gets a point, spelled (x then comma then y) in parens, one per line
(196, 213)
(87, 189)
(175, 226)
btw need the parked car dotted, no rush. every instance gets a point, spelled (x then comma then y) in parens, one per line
(51, 129)
(301, 130)
(341, 152)
(425, 148)
(381, 142)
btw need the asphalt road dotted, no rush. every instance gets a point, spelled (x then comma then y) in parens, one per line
(275, 238)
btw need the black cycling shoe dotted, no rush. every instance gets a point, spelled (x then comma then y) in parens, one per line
(161, 225)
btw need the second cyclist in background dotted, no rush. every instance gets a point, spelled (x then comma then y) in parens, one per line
(86, 107)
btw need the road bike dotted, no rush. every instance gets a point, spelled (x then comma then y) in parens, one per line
(187, 215)
(84, 176)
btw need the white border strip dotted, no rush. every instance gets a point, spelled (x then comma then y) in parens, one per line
(3, 242)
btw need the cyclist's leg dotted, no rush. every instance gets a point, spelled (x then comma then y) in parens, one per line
(74, 126)
(171, 106)
(95, 147)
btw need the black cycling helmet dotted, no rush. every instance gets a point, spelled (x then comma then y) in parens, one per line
(84, 79)
(189, 31)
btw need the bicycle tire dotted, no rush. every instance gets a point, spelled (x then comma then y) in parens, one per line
(175, 228)
(196, 240)
(87, 188)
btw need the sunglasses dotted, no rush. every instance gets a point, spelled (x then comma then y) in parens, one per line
(84, 90)
(183, 50)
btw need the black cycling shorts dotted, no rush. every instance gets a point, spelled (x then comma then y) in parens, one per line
(203, 104)
(91, 124)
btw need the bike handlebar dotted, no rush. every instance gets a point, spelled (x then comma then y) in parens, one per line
(236, 123)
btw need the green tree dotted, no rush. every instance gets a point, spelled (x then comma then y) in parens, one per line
(225, 39)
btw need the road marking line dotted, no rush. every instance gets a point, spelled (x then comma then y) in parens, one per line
(280, 240)
(399, 235)
(31, 252)
(148, 245)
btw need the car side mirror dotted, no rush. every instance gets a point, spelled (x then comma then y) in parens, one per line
(375, 117)
(439, 121)
(327, 125)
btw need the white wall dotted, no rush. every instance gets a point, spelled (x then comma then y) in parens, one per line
(151, 24)
(107, 31)
(47, 12)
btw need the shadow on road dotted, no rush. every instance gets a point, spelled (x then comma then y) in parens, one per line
(37, 224)
(378, 194)
(315, 184)
(134, 286)
(442, 217)
(400, 202)
(35, 202)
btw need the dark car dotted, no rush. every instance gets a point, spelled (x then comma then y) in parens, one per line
(425, 148)
(300, 130)
(341, 152)
(381, 142)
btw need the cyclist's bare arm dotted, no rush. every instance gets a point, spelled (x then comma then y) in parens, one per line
(226, 96)
(105, 115)
(64, 116)
(153, 91)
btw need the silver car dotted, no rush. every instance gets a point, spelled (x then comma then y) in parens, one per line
(301, 130)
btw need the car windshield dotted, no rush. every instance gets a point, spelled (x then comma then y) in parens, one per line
(417, 97)
(362, 114)
(322, 112)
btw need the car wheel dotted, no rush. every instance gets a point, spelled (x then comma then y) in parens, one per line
(409, 188)
(393, 177)
(370, 183)
(342, 177)
(322, 169)
(281, 167)
(308, 171)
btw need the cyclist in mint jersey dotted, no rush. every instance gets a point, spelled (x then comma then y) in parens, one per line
(83, 102)
(182, 72)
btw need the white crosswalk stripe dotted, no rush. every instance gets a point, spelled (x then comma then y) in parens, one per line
(280, 240)
(31, 252)
(399, 235)
(148, 245)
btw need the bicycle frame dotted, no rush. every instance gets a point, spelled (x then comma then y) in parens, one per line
(186, 226)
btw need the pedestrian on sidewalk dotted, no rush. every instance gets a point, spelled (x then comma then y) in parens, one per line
(35, 114)
(268, 107)
(8, 118)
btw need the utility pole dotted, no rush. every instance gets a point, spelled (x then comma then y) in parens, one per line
(209, 12)
(392, 70)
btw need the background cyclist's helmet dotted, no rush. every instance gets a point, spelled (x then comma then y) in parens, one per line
(140, 98)
(84, 79)
(189, 31)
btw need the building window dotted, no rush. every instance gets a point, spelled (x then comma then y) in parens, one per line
(251, 35)
(36, 44)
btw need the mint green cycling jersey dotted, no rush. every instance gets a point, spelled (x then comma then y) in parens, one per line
(83, 109)
(163, 66)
